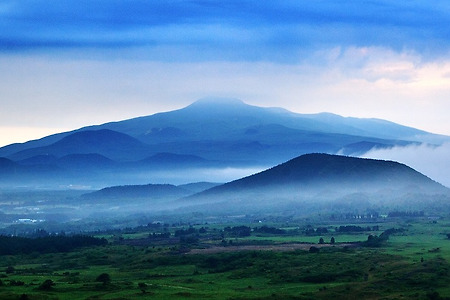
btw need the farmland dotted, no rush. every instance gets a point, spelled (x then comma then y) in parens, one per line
(239, 261)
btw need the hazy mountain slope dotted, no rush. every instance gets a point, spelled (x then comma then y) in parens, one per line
(324, 177)
(208, 133)
(85, 161)
(197, 187)
(7, 166)
(45, 141)
(213, 118)
(217, 122)
(13, 173)
(133, 192)
(112, 144)
(172, 160)
(44, 159)
(379, 128)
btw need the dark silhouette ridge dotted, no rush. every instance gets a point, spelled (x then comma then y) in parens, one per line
(317, 172)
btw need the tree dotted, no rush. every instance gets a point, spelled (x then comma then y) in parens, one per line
(321, 241)
(46, 285)
(104, 278)
(313, 249)
(143, 287)
(332, 241)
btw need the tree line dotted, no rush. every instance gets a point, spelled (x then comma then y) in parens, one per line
(10, 245)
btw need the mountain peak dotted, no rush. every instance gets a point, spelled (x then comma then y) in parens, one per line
(217, 101)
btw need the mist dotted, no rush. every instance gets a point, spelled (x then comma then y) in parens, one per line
(431, 160)
(190, 175)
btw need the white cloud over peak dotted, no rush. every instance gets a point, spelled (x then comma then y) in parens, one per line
(431, 160)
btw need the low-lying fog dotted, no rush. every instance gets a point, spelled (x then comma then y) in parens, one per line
(192, 175)
(433, 161)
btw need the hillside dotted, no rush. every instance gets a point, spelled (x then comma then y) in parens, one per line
(109, 143)
(209, 127)
(315, 179)
(312, 170)
(138, 192)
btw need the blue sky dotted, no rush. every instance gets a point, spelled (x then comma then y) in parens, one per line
(223, 30)
(66, 64)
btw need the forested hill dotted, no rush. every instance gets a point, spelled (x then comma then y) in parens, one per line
(319, 171)
(150, 191)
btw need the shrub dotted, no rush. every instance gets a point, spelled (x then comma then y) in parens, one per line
(46, 285)
(314, 249)
(104, 278)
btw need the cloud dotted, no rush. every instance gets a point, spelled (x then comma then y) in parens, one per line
(217, 30)
(433, 161)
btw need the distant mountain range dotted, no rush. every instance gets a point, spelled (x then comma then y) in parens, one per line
(210, 133)
(151, 192)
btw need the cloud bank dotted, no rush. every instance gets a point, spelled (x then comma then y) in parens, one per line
(431, 160)
(225, 30)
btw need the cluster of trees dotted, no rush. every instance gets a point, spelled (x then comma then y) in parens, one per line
(354, 228)
(332, 240)
(162, 235)
(238, 231)
(48, 244)
(182, 232)
(409, 214)
(319, 231)
(270, 230)
(377, 241)
(347, 216)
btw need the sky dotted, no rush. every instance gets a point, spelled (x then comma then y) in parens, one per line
(67, 64)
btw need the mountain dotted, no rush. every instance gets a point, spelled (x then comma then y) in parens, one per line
(138, 192)
(7, 166)
(85, 162)
(209, 133)
(198, 187)
(148, 191)
(314, 179)
(171, 160)
(325, 170)
(109, 143)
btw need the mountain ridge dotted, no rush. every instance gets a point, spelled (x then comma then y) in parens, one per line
(325, 170)
(317, 181)
(142, 126)
(217, 133)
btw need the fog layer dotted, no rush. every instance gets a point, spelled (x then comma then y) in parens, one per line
(431, 160)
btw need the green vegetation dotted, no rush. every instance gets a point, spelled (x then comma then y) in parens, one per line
(47, 244)
(233, 261)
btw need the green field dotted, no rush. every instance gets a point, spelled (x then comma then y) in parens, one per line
(412, 264)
